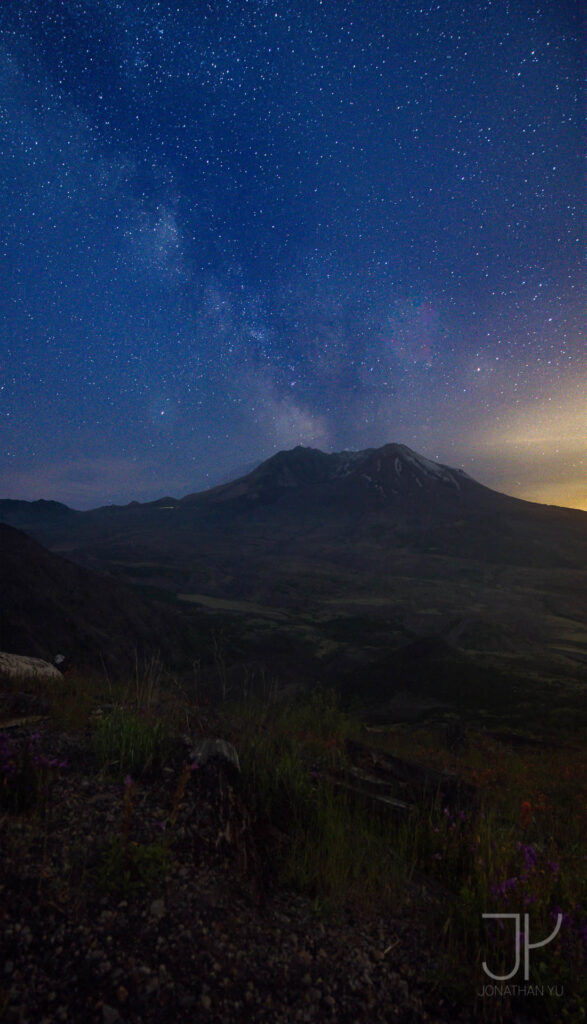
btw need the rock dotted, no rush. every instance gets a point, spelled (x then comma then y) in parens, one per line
(207, 748)
(186, 999)
(17, 668)
(158, 909)
(110, 1014)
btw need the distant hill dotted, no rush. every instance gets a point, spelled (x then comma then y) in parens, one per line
(50, 606)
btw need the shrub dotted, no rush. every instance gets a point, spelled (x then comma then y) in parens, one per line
(291, 757)
(128, 868)
(126, 741)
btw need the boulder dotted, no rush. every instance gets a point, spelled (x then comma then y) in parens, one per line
(17, 669)
(207, 749)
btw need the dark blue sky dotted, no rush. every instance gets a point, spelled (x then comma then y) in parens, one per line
(232, 227)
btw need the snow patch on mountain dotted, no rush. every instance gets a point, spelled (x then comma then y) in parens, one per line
(428, 468)
(420, 469)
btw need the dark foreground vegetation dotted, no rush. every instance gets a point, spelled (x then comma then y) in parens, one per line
(341, 874)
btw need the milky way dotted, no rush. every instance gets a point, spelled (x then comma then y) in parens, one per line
(233, 227)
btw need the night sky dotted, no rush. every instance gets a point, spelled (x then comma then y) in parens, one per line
(228, 228)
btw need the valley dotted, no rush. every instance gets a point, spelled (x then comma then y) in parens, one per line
(377, 572)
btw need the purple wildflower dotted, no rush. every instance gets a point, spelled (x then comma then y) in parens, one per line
(504, 887)
(530, 856)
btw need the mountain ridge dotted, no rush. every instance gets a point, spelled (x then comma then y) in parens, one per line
(49, 604)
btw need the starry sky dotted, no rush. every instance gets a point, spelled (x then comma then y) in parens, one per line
(234, 226)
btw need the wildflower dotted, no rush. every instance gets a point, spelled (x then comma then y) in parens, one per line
(526, 814)
(504, 887)
(530, 856)
(49, 762)
(127, 782)
(553, 866)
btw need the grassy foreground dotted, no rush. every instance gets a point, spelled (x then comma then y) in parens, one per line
(519, 850)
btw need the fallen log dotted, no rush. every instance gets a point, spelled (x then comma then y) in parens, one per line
(16, 723)
(372, 783)
(380, 800)
(418, 781)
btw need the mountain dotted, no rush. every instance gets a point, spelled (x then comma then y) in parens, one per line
(391, 498)
(391, 471)
(235, 473)
(378, 567)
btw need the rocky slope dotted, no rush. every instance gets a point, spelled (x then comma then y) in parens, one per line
(209, 938)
